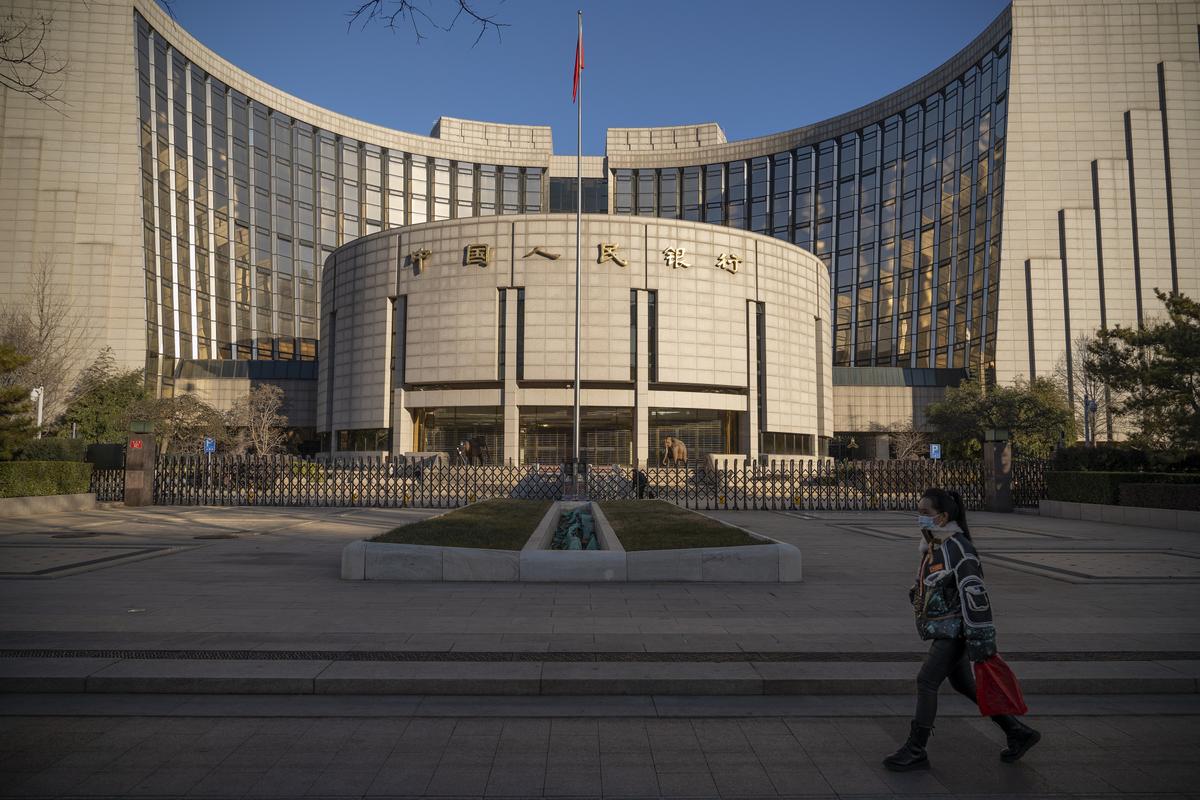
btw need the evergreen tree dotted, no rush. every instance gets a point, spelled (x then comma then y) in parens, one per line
(1035, 413)
(1156, 371)
(16, 428)
(104, 400)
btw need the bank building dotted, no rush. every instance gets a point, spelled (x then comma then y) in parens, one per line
(770, 297)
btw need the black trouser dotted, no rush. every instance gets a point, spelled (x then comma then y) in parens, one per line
(948, 659)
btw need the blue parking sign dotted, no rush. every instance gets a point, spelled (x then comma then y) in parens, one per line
(935, 451)
(210, 444)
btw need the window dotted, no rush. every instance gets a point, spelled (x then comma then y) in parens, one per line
(652, 333)
(633, 334)
(502, 319)
(520, 334)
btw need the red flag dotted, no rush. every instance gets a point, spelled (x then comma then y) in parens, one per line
(578, 63)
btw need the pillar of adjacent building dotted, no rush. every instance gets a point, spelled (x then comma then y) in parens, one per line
(641, 394)
(402, 425)
(508, 394)
(140, 454)
(997, 471)
(881, 449)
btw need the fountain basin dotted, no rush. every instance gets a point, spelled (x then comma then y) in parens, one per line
(540, 563)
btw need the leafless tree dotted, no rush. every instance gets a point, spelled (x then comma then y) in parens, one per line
(392, 13)
(1086, 384)
(256, 417)
(908, 441)
(26, 66)
(45, 326)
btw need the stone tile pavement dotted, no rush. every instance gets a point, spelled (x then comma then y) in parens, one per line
(275, 586)
(612, 756)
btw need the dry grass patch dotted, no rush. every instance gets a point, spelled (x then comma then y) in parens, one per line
(657, 525)
(491, 525)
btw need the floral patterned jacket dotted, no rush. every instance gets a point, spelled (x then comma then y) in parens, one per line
(950, 598)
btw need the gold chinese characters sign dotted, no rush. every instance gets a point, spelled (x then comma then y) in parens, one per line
(608, 252)
(480, 255)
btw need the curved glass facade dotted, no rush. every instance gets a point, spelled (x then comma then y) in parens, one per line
(905, 212)
(242, 204)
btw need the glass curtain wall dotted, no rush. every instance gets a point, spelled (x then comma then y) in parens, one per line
(905, 213)
(440, 430)
(242, 204)
(703, 431)
(547, 435)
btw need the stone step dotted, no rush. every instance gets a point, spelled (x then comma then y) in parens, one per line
(214, 676)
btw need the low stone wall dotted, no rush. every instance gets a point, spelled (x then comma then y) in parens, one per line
(46, 504)
(774, 562)
(1167, 518)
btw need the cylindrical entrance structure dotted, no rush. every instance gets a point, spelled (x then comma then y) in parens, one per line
(458, 337)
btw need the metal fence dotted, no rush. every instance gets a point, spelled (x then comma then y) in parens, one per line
(108, 485)
(1028, 481)
(788, 485)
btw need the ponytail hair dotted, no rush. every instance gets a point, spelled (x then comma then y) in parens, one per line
(951, 504)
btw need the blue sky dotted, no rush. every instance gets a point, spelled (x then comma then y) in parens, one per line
(755, 67)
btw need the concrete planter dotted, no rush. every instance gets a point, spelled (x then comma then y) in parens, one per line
(47, 504)
(774, 562)
(1167, 518)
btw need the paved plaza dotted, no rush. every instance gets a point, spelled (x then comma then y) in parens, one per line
(216, 652)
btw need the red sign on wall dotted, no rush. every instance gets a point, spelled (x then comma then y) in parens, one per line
(135, 444)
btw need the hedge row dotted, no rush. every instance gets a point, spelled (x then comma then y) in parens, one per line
(53, 448)
(1125, 458)
(1105, 487)
(1160, 495)
(40, 478)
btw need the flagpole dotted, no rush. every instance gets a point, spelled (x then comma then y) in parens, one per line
(578, 236)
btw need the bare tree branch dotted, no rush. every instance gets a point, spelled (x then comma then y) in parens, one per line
(45, 326)
(908, 441)
(26, 66)
(389, 12)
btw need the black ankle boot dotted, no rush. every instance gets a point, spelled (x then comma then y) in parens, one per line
(911, 754)
(1021, 737)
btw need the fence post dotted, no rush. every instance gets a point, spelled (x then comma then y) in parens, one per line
(997, 471)
(141, 453)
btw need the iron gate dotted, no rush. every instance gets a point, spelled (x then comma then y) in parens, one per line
(783, 485)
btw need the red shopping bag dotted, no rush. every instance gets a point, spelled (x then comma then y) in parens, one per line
(996, 688)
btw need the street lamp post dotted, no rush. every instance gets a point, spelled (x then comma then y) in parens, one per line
(35, 395)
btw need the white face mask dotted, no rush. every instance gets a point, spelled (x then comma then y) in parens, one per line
(925, 522)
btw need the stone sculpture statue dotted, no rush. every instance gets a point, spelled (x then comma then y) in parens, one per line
(473, 450)
(674, 452)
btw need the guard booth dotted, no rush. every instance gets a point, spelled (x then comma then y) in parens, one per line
(140, 455)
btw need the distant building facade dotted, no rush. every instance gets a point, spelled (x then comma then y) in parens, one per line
(1042, 182)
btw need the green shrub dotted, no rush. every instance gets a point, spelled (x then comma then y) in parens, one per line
(40, 478)
(1160, 495)
(1104, 487)
(1124, 458)
(54, 448)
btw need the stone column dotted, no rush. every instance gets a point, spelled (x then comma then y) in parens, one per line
(997, 471)
(140, 454)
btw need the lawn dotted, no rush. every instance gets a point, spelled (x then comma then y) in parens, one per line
(655, 525)
(492, 525)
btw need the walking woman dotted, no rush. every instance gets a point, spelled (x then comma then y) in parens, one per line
(953, 612)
